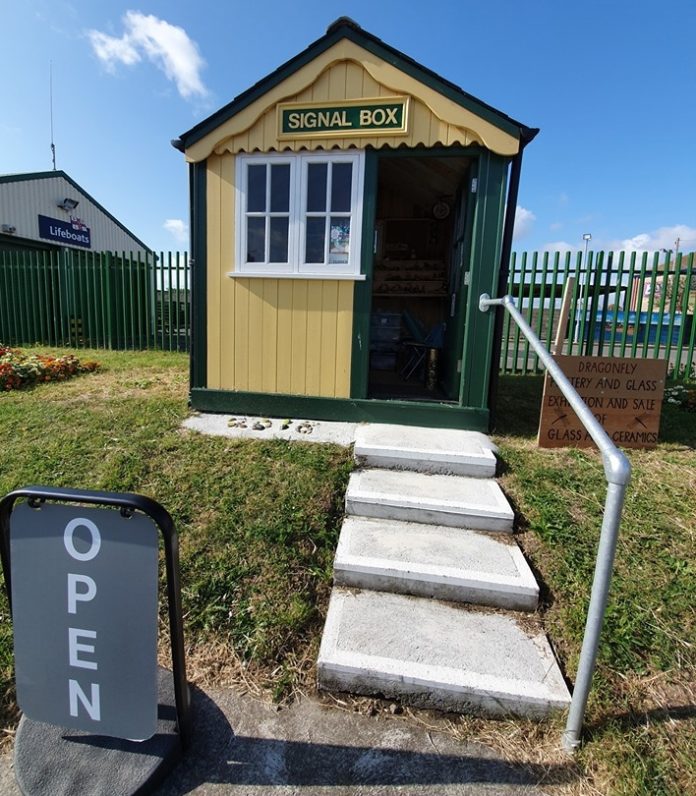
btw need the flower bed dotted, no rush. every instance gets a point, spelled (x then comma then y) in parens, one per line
(19, 369)
(683, 396)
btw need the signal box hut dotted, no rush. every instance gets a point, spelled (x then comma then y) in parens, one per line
(347, 211)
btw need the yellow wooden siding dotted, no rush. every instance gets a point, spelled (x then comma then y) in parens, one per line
(425, 128)
(347, 71)
(289, 336)
(270, 335)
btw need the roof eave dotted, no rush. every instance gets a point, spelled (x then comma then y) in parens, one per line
(347, 29)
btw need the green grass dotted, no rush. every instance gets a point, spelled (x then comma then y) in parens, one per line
(258, 521)
(641, 719)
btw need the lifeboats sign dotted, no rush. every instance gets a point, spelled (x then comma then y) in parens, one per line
(71, 233)
(380, 116)
(625, 395)
(84, 608)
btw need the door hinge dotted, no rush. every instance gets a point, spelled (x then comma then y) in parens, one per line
(459, 366)
(467, 278)
(474, 185)
(453, 304)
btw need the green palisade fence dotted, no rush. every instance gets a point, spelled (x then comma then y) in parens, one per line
(95, 299)
(624, 304)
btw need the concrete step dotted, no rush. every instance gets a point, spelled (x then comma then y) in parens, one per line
(433, 450)
(453, 500)
(437, 655)
(434, 561)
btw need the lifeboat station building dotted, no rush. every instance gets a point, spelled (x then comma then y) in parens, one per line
(347, 211)
(48, 211)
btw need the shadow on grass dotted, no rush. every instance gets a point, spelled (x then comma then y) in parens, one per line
(678, 426)
(641, 718)
(518, 406)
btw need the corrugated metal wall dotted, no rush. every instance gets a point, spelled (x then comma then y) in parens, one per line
(23, 201)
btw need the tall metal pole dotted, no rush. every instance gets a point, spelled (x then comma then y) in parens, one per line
(584, 293)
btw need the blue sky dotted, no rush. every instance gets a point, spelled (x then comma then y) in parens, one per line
(611, 85)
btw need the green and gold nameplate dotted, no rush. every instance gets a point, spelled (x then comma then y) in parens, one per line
(379, 116)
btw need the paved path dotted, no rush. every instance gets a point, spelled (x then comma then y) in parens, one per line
(244, 746)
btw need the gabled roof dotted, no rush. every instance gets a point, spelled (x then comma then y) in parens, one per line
(46, 175)
(345, 28)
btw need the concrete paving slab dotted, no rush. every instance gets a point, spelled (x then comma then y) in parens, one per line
(244, 747)
(453, 500)
(436, 654)
(297, 431)
(434, 450)
(434, 561)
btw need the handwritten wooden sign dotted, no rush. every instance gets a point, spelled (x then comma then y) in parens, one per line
(625, 395)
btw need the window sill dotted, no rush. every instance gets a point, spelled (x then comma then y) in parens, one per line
(324, 277)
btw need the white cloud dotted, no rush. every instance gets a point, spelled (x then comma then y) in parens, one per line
(662, 238)
(177, 228)
(560, 246)
(524, 220)
(167, 46)
(555, 226)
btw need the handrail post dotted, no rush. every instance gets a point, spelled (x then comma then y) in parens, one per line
(617, 470)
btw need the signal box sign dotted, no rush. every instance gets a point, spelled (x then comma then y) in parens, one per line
(84, 605)
(625, 395)
(379, 116)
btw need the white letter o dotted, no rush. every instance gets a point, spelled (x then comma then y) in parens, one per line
(68, 539)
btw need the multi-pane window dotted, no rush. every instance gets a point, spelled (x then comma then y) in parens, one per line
(267, 212)
(299, 214)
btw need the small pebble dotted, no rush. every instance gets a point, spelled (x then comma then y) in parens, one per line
(395, 710)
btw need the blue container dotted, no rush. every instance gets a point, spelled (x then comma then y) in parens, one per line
(634, 324)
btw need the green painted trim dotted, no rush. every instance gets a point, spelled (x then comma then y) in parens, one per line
(408, 413)
(259, 88)
(362, 293)
(199, 280)
(44, 175)
(485, 265)
(458, 334)
(382, 51)
(32, 175)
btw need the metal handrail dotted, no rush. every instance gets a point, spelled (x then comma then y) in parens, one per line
(617, 470)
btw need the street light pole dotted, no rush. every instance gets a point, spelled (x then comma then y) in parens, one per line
(584, 291)
(587, 237)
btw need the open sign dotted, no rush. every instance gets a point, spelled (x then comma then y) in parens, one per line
(84, 600)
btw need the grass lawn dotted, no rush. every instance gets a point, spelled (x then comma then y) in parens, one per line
(258, 523)
(641, 719)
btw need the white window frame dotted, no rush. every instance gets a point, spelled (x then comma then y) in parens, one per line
(296, 265)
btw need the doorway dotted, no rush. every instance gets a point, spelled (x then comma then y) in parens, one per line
(418, 290)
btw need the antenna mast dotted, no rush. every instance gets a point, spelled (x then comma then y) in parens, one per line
(50, 92)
